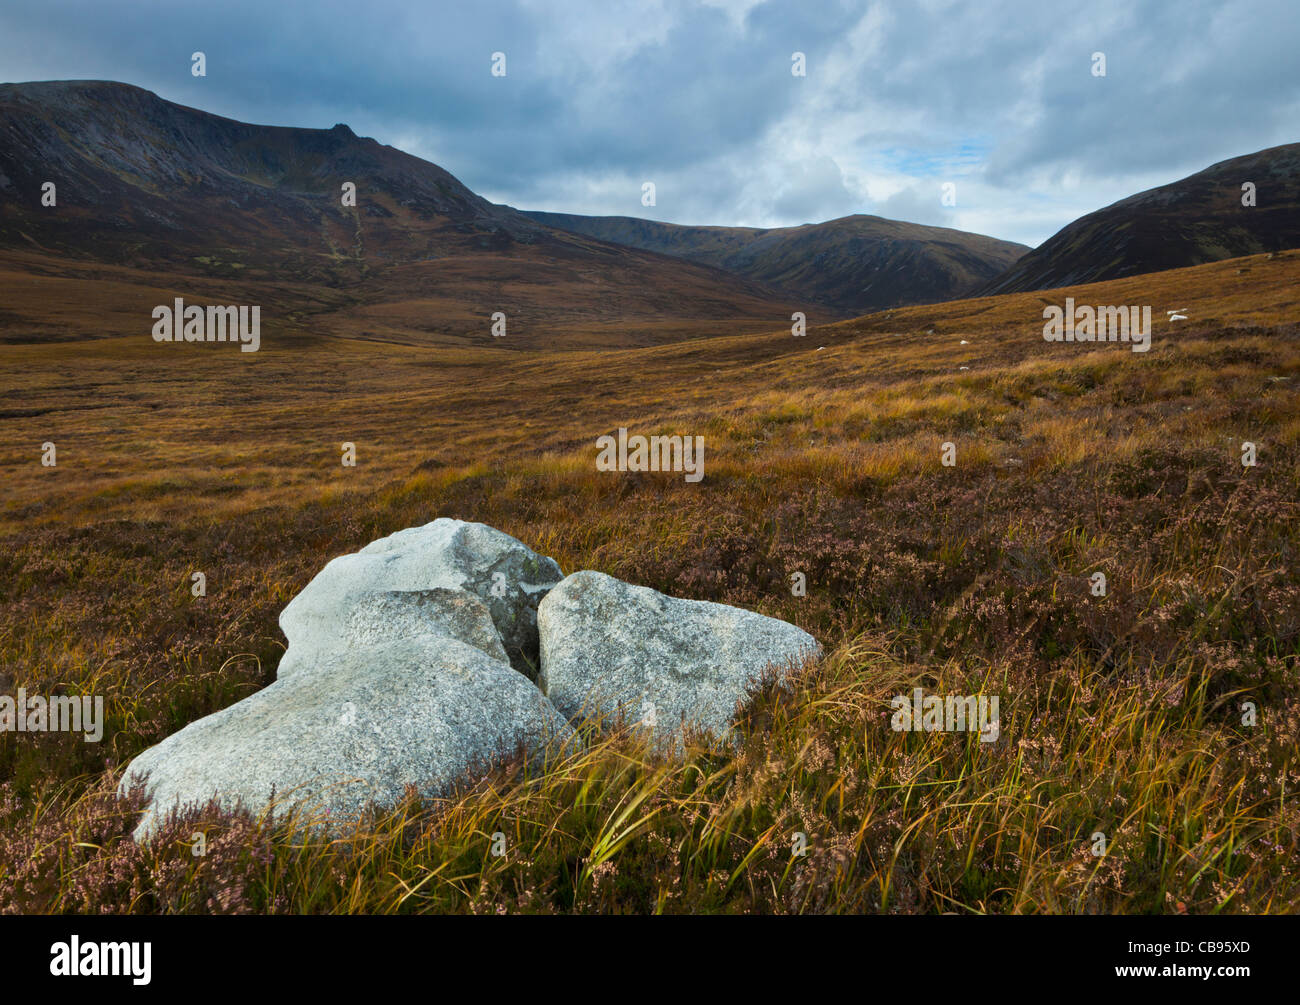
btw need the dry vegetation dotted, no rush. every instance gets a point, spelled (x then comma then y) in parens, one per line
(1120, 714)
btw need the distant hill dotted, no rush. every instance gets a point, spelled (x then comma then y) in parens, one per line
(855, 264)
(170, 191)
(1196, 220)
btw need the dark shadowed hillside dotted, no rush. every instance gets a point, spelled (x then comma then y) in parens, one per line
(145, 180)
(1196, 220)
(854, 264)
(170, 192)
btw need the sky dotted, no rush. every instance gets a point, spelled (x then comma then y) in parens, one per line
(1000, 100)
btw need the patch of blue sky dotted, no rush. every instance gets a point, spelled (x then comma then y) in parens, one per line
(947, 161)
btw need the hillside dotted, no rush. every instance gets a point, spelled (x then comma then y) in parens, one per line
(1119, 713)
(855, 264)
(1189, 222)
(945, 484)
(187, 199)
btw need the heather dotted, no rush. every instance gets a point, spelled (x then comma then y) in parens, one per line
(1121, 714)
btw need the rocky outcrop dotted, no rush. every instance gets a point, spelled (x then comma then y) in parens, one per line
(358, 728)
(396, 614)
(623, 652)
(451, 555)
(431, 654)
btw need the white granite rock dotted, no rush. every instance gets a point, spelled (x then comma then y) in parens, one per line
(426, 711)
(619, 651)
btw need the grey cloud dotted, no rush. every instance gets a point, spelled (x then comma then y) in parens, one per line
(701, 98)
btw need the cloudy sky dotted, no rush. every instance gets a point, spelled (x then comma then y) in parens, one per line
(997, 97)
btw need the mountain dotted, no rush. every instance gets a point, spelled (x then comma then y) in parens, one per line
(159, 182)
(855, 264)
(173, 192)
(1194, 221)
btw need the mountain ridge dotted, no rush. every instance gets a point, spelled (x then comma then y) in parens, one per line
(173, 191)
(843, 262)
(1192, 221)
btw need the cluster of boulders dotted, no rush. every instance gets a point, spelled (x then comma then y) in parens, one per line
(429, 655)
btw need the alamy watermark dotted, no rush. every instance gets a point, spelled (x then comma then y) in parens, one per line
(951, 713)
(75, 958)
(1098, 324)
(179, 323)
(651, 453)
(56, 714)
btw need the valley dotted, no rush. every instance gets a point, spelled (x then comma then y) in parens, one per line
(1101, 540)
